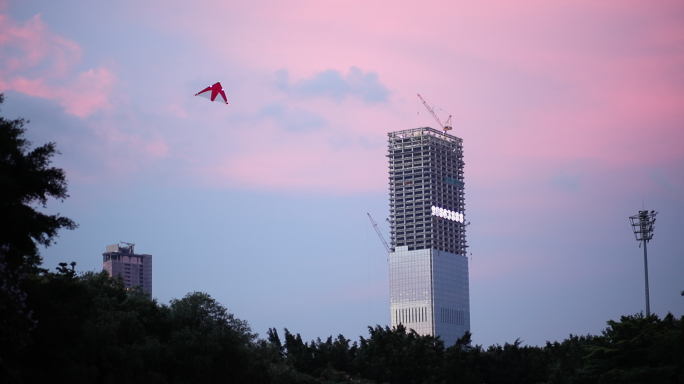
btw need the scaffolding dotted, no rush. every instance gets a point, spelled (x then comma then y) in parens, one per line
(426, 170)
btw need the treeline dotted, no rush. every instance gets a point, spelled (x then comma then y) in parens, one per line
(89, 329)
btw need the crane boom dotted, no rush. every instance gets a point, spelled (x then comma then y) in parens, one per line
(377, 230)
(445, 127)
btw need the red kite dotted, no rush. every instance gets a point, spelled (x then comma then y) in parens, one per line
(214, 93)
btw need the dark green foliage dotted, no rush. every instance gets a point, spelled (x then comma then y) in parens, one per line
(567, 360)
(317, 358)
(27, 180)
(639, 349)
(399, 356)
(513, 363)
(90, 329)
(206, 342)
(274, 340)
(460, 361)
(510, 363)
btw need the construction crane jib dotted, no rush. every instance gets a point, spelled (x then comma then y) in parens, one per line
(377, 230)
(445, 127)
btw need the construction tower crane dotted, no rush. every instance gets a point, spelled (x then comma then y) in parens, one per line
(377, 230)
(445, 127)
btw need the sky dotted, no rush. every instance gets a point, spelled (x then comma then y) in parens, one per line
(571, 112)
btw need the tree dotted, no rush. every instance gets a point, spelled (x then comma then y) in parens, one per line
(27, 180)
(461, 361)
(209, 344)
(567, 360)
(399, 356)
(639, 349)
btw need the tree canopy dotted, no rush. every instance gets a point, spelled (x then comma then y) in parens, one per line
(26, 181)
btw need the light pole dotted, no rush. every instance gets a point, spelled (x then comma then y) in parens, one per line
(643, 225)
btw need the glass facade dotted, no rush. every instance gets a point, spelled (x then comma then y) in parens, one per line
(429, 287)
(451, 295)
(411, 289)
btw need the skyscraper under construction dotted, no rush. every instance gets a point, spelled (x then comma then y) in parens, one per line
(429, 289)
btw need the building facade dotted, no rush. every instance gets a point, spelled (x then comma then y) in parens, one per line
(429, 287)
(135, 269)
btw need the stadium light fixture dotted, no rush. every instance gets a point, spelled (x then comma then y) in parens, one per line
(643, 225)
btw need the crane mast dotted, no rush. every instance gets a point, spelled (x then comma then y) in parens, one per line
(377, 230)
(445, 127)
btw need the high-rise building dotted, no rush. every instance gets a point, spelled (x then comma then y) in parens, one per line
(135, 269)
(429, 289)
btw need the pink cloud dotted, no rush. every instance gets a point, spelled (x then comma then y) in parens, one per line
(158, 148)
(530, 82)
(177, 110)
(296, 163)
(130, 151)
(39, 63)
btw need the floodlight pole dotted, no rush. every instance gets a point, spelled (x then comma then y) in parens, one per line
(648, 305)
(643, 225)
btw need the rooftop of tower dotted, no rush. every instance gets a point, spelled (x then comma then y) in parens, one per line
(424, 131)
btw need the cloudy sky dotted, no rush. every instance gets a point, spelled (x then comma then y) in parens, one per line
(572, 115)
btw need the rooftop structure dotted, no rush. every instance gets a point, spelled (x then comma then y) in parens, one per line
(429, 286)
(135, 269)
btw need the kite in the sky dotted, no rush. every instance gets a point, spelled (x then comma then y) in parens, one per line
(214, 93)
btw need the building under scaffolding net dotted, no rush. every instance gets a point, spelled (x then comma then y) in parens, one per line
(429, 287)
